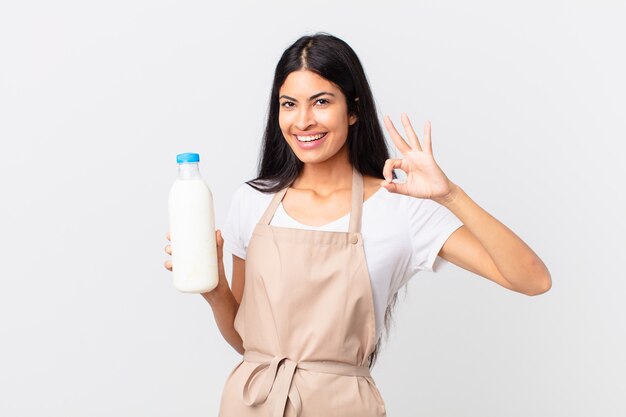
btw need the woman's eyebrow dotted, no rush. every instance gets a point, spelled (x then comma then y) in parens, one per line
(314, 96)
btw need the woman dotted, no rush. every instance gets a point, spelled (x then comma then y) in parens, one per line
(323, 249)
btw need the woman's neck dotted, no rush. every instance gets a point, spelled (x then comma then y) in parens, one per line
(326, 177)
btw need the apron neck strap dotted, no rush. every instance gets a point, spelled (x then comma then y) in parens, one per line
(355, 212)
(357, 202)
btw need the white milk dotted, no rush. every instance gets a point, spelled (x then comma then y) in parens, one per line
(192, 230)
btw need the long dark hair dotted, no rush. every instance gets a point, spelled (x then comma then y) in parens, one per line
(334, 60)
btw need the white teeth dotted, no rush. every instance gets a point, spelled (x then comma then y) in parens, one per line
(310, 138)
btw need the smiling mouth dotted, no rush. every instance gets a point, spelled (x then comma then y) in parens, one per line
(311, 138)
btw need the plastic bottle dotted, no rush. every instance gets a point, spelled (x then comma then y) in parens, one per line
(192, 229)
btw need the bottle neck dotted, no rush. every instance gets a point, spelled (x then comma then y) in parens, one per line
(188, 171)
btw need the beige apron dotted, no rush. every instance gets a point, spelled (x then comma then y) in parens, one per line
(307, 323)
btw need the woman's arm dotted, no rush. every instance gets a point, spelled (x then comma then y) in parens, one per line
(223, 301)
(487, 247)
(483, 245)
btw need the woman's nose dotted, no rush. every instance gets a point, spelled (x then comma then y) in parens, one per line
(305, 118)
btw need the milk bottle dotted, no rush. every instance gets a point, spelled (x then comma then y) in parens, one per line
(192, 229)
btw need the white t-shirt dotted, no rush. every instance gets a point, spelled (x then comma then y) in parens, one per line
(402, 235)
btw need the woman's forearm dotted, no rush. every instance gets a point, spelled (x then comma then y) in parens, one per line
(515, 260)
(225, 308)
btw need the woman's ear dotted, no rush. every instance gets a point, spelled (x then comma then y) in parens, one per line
(352, 120)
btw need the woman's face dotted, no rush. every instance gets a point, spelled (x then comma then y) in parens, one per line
(313, 116)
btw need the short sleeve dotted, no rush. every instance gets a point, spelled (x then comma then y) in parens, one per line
(431, 224)
(232, 232)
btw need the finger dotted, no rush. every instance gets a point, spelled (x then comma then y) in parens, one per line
(392, 187)
(168, 249)
(428, 144)
(167, 235)
(168, 265)
(390, 165)
(397, 138)
(410, 133)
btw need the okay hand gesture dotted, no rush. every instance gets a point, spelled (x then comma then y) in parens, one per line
(424, 177)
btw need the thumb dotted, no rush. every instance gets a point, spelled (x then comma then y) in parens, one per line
(219, 240)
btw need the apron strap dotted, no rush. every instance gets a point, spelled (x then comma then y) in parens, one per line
(356, 210)
(271, 209)
(357, 202)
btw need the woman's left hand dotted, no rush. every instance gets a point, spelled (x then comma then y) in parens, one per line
(424, 178)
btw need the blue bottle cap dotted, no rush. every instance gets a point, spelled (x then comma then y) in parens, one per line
(187, 158)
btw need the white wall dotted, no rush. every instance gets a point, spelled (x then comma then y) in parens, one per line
(96, 99)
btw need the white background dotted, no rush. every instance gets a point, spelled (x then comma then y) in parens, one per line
(527, 104)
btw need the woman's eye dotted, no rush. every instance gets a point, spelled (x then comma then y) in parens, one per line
(287, 104)
(322, 101)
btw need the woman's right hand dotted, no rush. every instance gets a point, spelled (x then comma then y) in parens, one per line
(168, 250)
